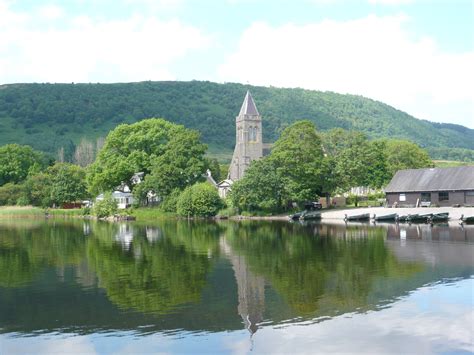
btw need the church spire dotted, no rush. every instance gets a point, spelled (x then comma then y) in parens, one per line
(248, 106)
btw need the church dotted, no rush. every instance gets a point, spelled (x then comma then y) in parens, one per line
(248, 143)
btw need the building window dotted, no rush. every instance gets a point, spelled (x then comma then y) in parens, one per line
(402, 198)
(443, 196)
(425, 197)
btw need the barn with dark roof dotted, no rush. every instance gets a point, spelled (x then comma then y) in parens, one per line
(432, 187)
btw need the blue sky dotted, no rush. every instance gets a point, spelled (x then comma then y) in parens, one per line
(412, 54)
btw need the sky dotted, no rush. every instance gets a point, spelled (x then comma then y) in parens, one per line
(415, 55)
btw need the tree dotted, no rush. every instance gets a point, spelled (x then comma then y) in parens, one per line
(406, 155)
(199, 200)
(16, 162)
(84, 154)
(59, 184)
(356, 161)
(215, 169)
(171, 153)
(298, 158)
(181, 164)
(11, 194)
(260, 189)
(67, 183)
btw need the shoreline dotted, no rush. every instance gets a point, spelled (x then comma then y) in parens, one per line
(12, 212)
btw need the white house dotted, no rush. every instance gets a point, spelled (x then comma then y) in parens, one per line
(124, 198)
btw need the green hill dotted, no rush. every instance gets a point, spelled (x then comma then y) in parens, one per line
(50, 116)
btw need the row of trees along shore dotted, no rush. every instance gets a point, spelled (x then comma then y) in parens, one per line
(303, 165)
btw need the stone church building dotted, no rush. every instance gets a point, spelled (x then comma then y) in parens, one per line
(248, 145)
(248, 138)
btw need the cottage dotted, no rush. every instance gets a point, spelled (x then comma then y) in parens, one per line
(124, 199)
(432, 187)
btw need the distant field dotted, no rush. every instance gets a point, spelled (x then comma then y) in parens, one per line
(450, 163)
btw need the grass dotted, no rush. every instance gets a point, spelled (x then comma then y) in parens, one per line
(35, 212)
(149, 213)
(20, 212)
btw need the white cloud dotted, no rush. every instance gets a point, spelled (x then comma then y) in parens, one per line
(133, 49)
(373, 56)
(51, 12)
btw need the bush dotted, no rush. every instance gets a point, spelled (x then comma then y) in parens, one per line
(86, 211)
(199, 200)
(22, 201)
(106, 207)
(170, 202)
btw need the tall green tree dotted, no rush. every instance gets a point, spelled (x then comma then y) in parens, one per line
(260, 189)
(298, 158)
(293, 172)
(58, 184)
(67, 183)
(17, 161)
(170, 153)
(403, 154)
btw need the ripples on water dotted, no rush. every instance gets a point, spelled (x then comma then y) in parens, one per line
(250, 286)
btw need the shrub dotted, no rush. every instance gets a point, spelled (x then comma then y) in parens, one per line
(86, 211)
(22, 201)
(199, 200)
(106, 207)
(170, 202)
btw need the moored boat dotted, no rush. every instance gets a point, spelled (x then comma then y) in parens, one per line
(467, 220)
(387, 217)
(311, 215)
(419, 218)
(402, 218)
(439, 217)
(358, 217)
(296, 216)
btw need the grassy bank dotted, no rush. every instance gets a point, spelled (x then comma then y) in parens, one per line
(35, 212)
(149, 214)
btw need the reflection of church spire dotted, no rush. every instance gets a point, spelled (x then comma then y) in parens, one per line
(251, 289)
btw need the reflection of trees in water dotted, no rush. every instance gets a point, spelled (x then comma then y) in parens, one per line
(321, 272)
(26, 249)
(154, 277)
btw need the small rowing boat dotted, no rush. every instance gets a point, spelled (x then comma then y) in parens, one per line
(312, 215)
(467, 220)
(387, 217)
(439, 217)
(419, 218)
(358, 217)
(297, 215)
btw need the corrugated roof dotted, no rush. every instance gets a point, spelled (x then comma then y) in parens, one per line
(433, 179)
(248, 106)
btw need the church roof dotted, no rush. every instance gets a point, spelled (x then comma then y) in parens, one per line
(248, 106)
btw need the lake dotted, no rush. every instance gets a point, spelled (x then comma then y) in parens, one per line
(73, 286)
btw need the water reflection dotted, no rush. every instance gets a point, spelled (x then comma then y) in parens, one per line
(206, 276)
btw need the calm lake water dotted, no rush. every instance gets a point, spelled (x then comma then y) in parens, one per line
(235, 287)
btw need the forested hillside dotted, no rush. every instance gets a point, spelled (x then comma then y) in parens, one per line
(51, 116)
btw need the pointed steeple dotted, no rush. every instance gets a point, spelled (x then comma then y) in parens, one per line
(248, 106)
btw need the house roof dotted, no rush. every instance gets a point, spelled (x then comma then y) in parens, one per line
(432, 179)
(248, 106)
(225, 183)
